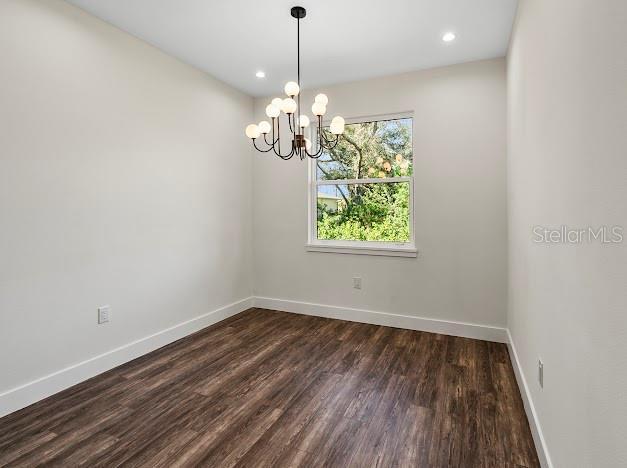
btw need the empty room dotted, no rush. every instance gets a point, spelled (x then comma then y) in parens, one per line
(271, 233)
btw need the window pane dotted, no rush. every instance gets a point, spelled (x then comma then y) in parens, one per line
(369, 150)
(364, 212)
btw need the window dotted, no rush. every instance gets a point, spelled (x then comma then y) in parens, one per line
(361, 197)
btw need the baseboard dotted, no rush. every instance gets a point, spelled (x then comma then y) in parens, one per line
(446, 327)
(44, 387)
(532, 416)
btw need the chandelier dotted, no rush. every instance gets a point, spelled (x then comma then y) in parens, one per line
(297, 122)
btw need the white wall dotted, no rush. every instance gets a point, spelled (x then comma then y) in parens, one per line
(460, 199)
(124, 180)
(567, 165)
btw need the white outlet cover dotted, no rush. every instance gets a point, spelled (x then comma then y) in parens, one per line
(103, 314)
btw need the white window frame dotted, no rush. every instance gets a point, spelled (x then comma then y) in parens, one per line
(391, 249)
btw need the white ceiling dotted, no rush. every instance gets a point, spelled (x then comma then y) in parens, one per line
(341, 40)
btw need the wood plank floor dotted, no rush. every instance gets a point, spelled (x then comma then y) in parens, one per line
(267, 388)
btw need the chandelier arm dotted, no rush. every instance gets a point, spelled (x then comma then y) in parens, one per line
(315, 155)
(291, 154)
(265, 135)
(278, 133)
(285, 157)
(332, 144)
(265, 138)
(320, 132)
(331, 141)
(290, 123)
(259, 149)
(337, 140)
(326, 140)
(318, 153)
(276, 141)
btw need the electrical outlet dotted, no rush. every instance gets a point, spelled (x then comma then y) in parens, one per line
(357, 282)
(103, 314)
(541, 373)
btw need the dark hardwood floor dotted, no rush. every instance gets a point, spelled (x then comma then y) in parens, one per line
(267, 388)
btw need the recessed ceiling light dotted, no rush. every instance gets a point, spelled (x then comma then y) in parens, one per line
(448, 37)
(260, 74)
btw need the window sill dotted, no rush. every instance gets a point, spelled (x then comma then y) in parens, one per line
(363, 250)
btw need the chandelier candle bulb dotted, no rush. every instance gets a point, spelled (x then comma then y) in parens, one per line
(338, 120)
(303, 122)
(337, 125)
(292, 89)
(336, 129)
(318, 108)
(273, 111)
(288, 106)
(252, 131)
(277, 102)
(322, 99)
(264, 127)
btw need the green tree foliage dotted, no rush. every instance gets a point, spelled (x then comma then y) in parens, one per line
(373, 212)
